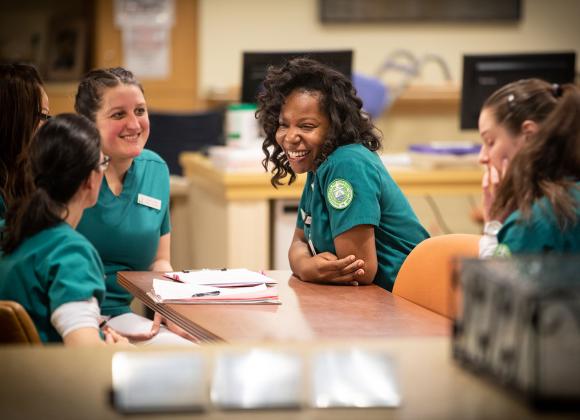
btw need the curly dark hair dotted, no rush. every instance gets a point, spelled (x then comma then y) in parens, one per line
(348, 123)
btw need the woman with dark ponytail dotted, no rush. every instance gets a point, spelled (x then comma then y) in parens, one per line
(52, 270)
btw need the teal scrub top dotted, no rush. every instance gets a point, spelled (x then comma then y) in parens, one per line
(2, 208)
(541, 233)
(352, 187)
(125, 229)
(53, 267)
(2, 216)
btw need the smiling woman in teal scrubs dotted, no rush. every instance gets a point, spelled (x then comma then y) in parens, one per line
(354, 225)
(130, 224)
(45, 265)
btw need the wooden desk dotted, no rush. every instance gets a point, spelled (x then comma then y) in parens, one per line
(54, 382)
(308, 312)
(230, 210)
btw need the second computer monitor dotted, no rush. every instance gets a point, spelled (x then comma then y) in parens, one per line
(484, 74)
(255, 65)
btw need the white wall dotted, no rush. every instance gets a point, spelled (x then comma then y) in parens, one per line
(229, 27)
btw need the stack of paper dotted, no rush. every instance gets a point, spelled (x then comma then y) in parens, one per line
(167, 291)
(223, 278)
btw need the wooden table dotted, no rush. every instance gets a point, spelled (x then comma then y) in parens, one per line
(308, 312)
(54, 382)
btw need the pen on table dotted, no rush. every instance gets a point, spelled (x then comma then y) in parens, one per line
(191, 270)
(212, 293)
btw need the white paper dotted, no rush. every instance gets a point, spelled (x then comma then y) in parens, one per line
(147, 51)
(159, 381)
(146, 35)
(144, 12)
(230, 277)
(130, 324)
(167, 290)
(258, 379)
(354, 378)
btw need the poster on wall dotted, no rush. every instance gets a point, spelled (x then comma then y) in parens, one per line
(67, 48)
(146, 35)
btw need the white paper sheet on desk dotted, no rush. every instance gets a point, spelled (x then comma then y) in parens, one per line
(167, 291)
(227, 278)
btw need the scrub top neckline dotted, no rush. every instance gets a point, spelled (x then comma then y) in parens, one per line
(127, 184)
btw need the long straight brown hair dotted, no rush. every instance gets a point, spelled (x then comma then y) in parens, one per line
(20, 107)
(547, 166)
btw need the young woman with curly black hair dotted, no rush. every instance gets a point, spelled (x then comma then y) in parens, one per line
(354, 224)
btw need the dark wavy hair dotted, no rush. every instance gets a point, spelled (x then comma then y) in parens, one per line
(63, 153)
(93, 85)
(547, 166)
(20, 108)
(348, 123)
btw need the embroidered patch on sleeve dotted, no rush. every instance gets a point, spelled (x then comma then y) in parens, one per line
(502, 250)
(339, 194)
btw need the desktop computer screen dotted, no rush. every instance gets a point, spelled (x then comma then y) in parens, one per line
(255, 65)
(484, 74)
(173, 133)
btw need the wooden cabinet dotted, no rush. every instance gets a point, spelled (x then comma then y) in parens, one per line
(178, 92)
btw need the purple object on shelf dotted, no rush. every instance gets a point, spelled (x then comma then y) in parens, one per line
(445, 150)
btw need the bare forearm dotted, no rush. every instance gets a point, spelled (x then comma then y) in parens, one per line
(162, 261)
(161, 265)
(298, 256)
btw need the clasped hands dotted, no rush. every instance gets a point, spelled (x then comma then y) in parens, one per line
(329, 269)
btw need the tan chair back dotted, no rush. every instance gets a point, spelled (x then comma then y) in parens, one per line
(16, 327)
(425, 276)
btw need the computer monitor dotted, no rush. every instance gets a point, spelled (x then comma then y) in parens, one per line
(484, 74)
(255, 65)
(173, 133)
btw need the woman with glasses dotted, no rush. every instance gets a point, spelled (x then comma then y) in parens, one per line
(24, 107)
(46, 265)
(130, 224)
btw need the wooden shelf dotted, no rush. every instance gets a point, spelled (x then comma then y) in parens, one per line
(423, 99)
(443, 95)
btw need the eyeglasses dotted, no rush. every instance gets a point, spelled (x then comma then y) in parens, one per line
(44, 117)
(104, 164)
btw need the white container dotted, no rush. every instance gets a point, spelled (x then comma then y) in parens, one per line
(241, 125)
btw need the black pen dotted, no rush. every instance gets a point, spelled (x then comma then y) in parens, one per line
(213, 293)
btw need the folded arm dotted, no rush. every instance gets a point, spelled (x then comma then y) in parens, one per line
(324, 267)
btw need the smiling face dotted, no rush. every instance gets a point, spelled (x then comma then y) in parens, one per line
(498, 143)
(302, 129)
(123, 122)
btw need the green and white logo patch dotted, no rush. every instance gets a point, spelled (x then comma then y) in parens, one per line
(339, 194)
